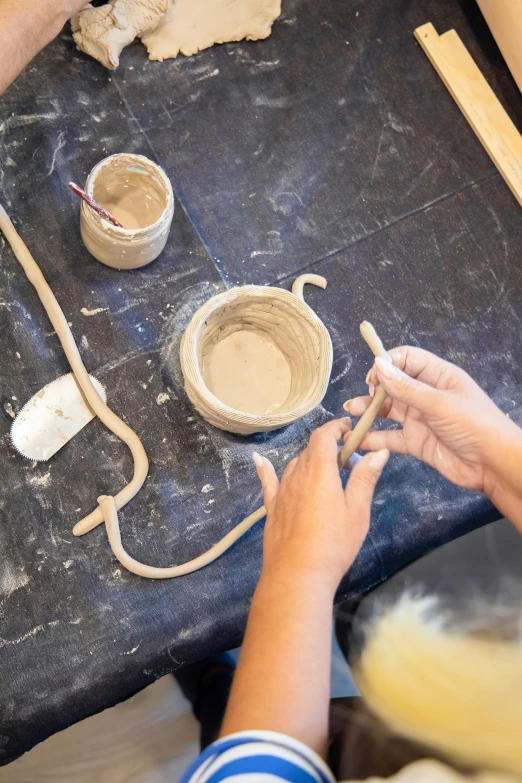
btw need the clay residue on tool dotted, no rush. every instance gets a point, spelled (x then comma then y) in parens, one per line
(130, 194)
(248, 372)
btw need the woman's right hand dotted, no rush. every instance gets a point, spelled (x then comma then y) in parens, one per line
(447, 420)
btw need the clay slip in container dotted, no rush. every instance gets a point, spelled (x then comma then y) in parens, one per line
(138, 194)
(285, 320)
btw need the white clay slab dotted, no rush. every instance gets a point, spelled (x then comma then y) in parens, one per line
(52, 417)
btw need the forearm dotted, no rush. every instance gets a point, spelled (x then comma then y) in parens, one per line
(26, 26)
(503, 480)
(282, 681)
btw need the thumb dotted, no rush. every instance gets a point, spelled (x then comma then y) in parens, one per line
(268, 478)
(361, 485)
(403, 388)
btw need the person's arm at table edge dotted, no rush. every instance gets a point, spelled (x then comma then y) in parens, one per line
(503, 475)
(282, 683)
(26, 27)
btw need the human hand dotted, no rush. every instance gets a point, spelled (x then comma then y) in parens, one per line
(72, 7)
(312, 523)
(447, 420)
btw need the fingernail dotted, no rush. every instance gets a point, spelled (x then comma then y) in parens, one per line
(379, 459)
(346, 405)
(386, 368)
(258, 459)
(367, 379)
(371, 390)
(354, 460)
(348, 420)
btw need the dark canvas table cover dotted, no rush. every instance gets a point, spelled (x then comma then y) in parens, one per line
(331, 147)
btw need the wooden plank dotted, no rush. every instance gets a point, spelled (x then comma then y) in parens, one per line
(477, 101)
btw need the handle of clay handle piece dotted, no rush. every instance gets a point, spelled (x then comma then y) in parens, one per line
(110, 516)
(302, 280)
(365, 422)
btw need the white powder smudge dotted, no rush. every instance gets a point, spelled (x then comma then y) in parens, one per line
(162, 398)
(84, 341)
(97, 310)
(25, 119)
(43, 480)
(11, 580)
(215, 72)
(131, 652)
(32, 632)
(226, 462)
(207, 488)
(68, 563)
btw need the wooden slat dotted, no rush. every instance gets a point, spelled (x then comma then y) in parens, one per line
(477, 101)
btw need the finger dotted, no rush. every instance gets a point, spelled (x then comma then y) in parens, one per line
(405, 389)
(323, 443)
(361, 484)
(393, 440)
(358, 405)
(289, 469)
(268, 478)
(418, 363)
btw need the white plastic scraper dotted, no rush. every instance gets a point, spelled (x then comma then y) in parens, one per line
(52, 417)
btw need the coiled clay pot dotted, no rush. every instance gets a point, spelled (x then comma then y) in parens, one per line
(283, 318)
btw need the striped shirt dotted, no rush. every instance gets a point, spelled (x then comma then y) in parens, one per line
(258, 757)
(268, 757)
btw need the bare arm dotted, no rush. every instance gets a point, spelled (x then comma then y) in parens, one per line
(26, 26)
(313, 533)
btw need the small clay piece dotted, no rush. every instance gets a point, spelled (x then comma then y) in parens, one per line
(365, 422)
(104, 31)
(168, 27)
(138, 193)
(282, 381)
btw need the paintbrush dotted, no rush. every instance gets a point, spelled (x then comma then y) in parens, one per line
(94, 205)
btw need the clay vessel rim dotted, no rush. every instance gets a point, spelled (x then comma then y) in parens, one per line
(129, 232)
(190, 343)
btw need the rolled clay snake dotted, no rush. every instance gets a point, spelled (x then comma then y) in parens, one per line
(107, 510)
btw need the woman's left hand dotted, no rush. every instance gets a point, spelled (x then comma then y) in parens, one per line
(312, 523)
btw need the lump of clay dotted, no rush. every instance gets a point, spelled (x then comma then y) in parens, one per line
(103, 32)
(192, 25)
(168, 27)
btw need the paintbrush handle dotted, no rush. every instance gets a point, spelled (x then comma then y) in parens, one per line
(94, 205)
